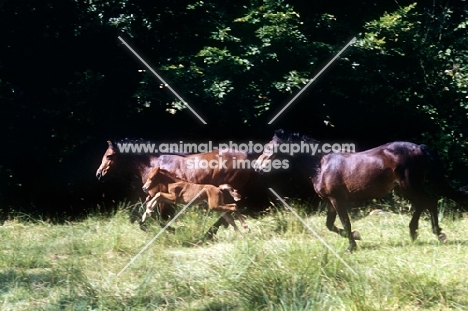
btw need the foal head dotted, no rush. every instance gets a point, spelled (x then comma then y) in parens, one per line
(152, 181)
(158, 181)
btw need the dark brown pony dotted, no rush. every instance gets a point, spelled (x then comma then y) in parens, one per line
(220, 169)
(339, 178)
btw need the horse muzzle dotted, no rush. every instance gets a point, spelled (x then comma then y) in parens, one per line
(258, 169)
(100, 175)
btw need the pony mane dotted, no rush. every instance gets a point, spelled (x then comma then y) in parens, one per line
(114, 142)
(136, 141)
(285, 136)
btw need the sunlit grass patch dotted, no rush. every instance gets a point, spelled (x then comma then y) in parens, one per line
(279, 265)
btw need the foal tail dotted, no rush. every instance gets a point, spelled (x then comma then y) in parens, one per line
(436, 182)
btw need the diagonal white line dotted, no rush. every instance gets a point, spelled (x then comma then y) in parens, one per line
(312, 80)
(313, 231)
(162, 80)
(159, 233)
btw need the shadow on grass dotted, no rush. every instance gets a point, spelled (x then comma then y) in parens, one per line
(12, 279)
(400, 244)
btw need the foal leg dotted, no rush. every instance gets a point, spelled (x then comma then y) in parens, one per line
(159, 199)
(150, 204)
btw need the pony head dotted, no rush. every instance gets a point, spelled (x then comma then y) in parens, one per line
(108, 159)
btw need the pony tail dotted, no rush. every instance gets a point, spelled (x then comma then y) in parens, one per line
(436, 182)
(436, 169)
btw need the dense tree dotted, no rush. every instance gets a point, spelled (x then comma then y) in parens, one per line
(418, 58)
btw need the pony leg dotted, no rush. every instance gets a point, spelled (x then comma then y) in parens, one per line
(214, 228)
(342, 211)
(242, 221)
(331, 217)
(223, 222)
(231, 221)
(414, 223)
(233, 207)
(431, 205)
(352, 236)
(226, 210)
(435, 222)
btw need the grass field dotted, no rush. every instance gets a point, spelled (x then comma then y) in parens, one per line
(279, 265)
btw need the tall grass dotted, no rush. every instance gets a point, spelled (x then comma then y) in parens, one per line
(277, 266)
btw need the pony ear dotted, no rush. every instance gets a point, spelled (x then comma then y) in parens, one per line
(112, 146)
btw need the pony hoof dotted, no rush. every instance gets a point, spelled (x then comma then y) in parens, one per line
(356, 235)
(414, 236)
(351, 249)
(442, 238)
(143, 227)
(171, 230)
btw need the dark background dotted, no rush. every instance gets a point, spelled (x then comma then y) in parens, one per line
(67, 84)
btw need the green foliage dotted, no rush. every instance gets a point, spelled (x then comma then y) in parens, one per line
(246, 62)
(423, 52)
